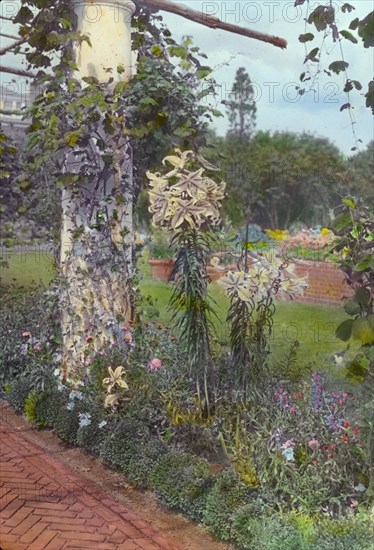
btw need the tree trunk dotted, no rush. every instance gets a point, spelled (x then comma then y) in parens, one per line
(96, 232)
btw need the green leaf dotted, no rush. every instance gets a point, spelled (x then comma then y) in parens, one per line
(321, 17)
(347, 8)
(65, 23)
(148, 101)
(362, 296)
(370, 96)
(349, 36)
(120, 87)
(344, 330)
(203, 72)
(312, 55)
(157, 51)
(67, 179)
(71, 138)
(354, 24)
(366, 263)
(366, 30)
(307, 37)
(350, 203)
(178, 51)
(338, 66)
(23, 16)
(342, 222)
(90, 80)
(363, 330)
(352, 308)
(216, 113)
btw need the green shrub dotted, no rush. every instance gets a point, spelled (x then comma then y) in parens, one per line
(182, 482)
(122, 443)
(19, 390)
(20, 312)
(140, 467)
(30, 408)
(53, 412)
(91, 437)
(344, 534)
(226, 496)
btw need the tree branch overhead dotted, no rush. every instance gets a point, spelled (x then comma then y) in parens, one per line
(211, 21)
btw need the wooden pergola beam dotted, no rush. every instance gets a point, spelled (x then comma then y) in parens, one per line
(211, 21)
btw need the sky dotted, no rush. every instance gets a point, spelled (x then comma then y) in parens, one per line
(274, 72)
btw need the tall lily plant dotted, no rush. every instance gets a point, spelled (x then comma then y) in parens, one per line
(185, 201)
(251, 290)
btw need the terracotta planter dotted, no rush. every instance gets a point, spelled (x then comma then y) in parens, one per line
(161, 269)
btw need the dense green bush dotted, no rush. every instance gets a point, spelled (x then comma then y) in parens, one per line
(141, 466)
(226, 496)
(123, 442)
(17, 392)
(29, 331)
(182, 482)
(91, 436)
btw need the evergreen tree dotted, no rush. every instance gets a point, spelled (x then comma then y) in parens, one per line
(241, 107)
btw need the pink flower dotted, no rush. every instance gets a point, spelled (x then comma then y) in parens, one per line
(89, 338)
(155, 364)
(125, 328)
(354, 503)
(292, 410)
(37, 347)
(313, 444)
(101, 353)
(26, 334)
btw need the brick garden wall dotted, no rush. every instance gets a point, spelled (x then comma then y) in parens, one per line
(326, 283)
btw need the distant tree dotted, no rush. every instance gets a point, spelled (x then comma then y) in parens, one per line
(282, 178)
(242, 107)
(362, 166)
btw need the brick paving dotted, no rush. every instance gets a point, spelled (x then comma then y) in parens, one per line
(45, 505)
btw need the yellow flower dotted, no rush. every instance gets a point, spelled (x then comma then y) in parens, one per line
(325, 232)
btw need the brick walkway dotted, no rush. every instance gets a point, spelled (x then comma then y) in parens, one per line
(45, 505)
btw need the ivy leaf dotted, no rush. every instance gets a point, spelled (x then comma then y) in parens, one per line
(366, 30)
(338, 66)
(349, 36)
(307, 37)
(370, 96)
(299, 3)
(120, 87)
(312, 55)
(90, 80)
(354, 24)
(216, 113)
(23, 16)
(321, 17)
(67, 179)
(203, 72)
(347, 8)
(344, 330)
(65, 23)
(157, 50)
(178, 51)
(348, 86)
(345, 106)
(71, 138)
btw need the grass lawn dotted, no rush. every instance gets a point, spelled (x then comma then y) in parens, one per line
(314, 326)
(25, 269)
